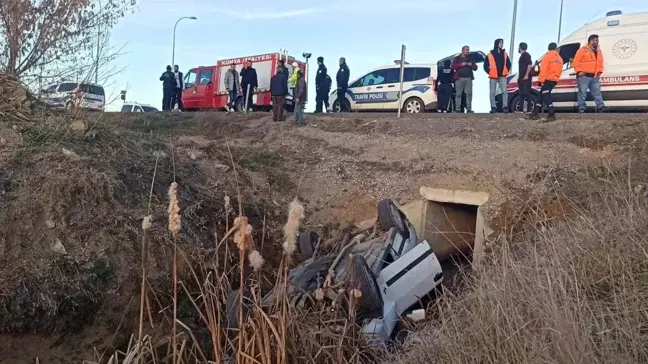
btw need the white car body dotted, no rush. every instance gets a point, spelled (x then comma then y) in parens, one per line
(71, 95)
(136, 107)
(623, 39)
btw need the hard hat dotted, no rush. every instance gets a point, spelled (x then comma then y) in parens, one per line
(295, 64)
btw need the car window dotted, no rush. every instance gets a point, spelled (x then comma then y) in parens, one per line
(138, 109)
(149, 109)
(190, 79)
(393, 76)
(51, 88)
(92, 89)
(375, 78)
(416, 73)
(67, 87)
(205, 77)
(126, 108)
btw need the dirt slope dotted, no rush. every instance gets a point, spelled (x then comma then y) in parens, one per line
(92, 200)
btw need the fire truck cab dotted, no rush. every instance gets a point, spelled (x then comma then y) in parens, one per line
(204, 87)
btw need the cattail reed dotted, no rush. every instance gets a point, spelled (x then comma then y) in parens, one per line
(295, 216)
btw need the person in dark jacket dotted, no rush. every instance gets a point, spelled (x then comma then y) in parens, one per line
(464, 66)
(249, 83)
(444, 85)
(168, 85)
(301, 95)
(278, 91)
(525, 65)
(320, 86)
(342, 79)
(177, 91)
(498, 66)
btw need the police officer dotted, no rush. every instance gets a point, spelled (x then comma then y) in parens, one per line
(321, 87)
(444, 85)
(342, 79)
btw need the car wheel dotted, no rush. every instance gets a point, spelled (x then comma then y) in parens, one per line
(414, 105)
(369, 305)
(390, 217)
(232, 307)
(517, 104)
(307, 243)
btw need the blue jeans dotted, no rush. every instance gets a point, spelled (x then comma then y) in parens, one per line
(299, 114)
(232, 99)
(594, 86)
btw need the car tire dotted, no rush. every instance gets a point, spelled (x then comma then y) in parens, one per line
(232, 307)
(336, 107)
(413, 105)
(390, 217)
(516, 102)
(307, 244)
(360, 277)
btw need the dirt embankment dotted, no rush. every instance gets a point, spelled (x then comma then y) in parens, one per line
(73, 202)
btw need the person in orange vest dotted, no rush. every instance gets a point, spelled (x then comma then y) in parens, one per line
(498, 65)
(550, 71)
(588, 64)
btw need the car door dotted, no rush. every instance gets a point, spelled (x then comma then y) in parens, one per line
(389, 89)
(204, 88)
(364, 92)
(189, 98)
(417, 81)
(565, 94)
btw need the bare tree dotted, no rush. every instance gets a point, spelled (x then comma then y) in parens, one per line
(57, 38)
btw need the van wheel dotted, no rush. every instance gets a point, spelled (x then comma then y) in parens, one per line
(390, 217)
(516, 103)
(414, 105)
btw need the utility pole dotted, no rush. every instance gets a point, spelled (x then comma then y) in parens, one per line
(511, 49)
(560, 21)
(98, 42)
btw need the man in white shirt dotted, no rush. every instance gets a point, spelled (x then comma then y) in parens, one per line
(177, 92)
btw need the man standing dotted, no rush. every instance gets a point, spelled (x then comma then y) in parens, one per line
(342, 79)
(249, 82)
(525, 66)
(177, 92)
(278, 91)
(497, 65)
(550, 71)
(588, 64)
(232, 85)
(443, 85)
(168, 86)
(301, 94)
(464, 66)
(320, 80)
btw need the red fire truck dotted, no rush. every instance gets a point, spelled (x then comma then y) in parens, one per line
(205, 87)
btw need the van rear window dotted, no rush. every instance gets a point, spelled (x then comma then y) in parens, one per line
(67, 87)
(92, 89)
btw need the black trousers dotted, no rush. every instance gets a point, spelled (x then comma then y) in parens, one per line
(177, 98)
(321, 98)
(525, 91)
(545, 94)
(167, 97)
(444, 91)
(341, 98)
(250, 104)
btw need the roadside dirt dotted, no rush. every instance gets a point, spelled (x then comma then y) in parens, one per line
(339, 165)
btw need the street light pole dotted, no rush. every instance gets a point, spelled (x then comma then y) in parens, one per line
(98, 47)
(174, 33)
(511, 49)
(560, 21)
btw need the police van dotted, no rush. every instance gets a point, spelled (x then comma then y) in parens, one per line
(378, 90)
(623, 39)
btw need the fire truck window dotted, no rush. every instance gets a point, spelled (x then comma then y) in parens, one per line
(190, 79)
(205, 77)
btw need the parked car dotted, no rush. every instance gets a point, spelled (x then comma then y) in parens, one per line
(74, 95)
(136, 107)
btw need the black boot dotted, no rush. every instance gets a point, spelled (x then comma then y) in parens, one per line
(552, 114)
(534, 115)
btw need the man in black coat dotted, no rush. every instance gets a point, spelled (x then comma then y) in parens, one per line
(168, 85)
(342, 79)
(177, 91)
(321, 87)
(278, 91)
(249, 83)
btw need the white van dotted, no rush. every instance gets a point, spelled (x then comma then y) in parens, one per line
(70, 95)
(624, 83)
(378, 90)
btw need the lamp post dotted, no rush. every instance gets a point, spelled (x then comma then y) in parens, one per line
(560, 21)
(174, 33)
(511, 50)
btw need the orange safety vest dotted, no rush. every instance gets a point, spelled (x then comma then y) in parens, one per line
(586, 61)
(493, 66)
(550, 67)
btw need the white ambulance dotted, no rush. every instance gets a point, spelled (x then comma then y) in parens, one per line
(623, 38)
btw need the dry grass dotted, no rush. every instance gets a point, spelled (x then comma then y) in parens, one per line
(574, 291)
